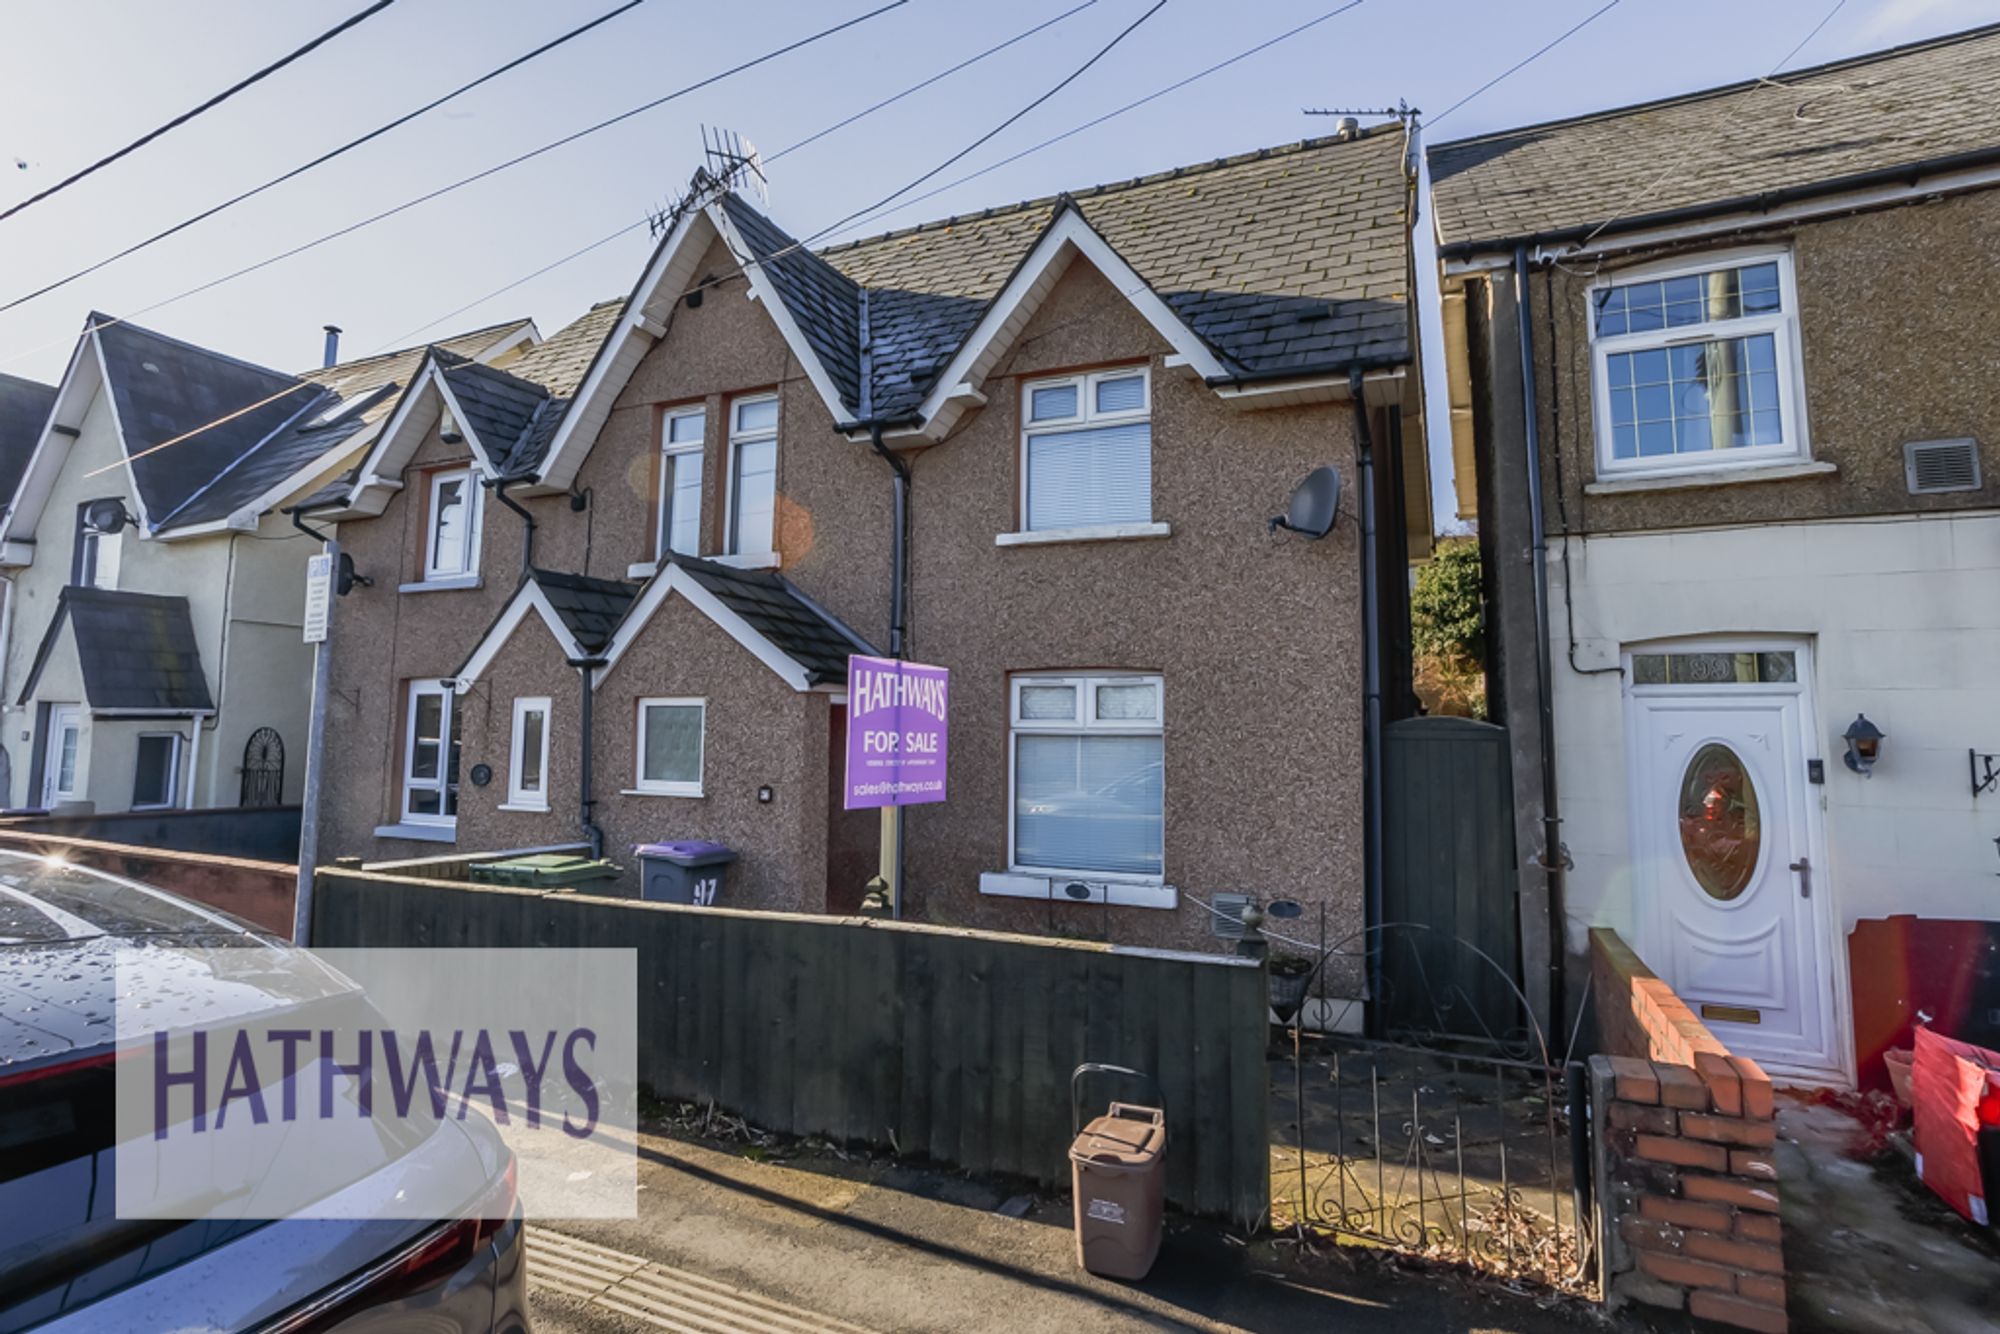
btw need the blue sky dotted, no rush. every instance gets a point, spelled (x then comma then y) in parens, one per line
(77, 80)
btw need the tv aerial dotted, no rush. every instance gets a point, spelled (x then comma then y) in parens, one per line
(1315, 505)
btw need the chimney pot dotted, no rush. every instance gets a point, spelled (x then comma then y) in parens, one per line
(332, 345)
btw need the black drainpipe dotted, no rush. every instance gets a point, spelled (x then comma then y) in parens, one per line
(1371, 716)
(899, 538)
(499, 485)
(1552, 859)
(587, 803)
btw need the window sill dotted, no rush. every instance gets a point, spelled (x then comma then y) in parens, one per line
(659, 792)
(1096, 532)
(1118, 893)
(523, 806)
(753, 560)
(441, 585)
(1701, 477)
(422, 833)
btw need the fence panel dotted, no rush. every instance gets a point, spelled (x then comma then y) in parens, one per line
(956, 1044)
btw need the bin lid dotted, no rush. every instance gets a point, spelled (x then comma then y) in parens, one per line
(683, 849)
(1122, 1141)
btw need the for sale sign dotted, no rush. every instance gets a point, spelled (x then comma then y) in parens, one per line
(895, 732)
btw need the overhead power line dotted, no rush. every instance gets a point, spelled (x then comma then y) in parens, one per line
(209, 105)
(323, 158)
(1520, 65)
(515, 161)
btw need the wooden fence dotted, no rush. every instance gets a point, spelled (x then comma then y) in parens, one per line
(940, 1043)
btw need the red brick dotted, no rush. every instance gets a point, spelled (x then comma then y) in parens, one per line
(1682, 1153)
(1757, 1166)
(1760, 1288)
(1683, 1213)
(1742, 1194)
(1652, 1120)
(1728, 1310)
(1735, 1253)
(1725, 1086)
(1687, 1273)
(1634, 1080)
(1757, 1099)
(1730, 1130)
(1758, 1227)
(1649, 1235)
(1681, 1087)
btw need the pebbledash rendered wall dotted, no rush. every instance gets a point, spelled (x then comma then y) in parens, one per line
(1682, 1137)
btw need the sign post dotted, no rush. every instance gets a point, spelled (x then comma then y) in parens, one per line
(318, 629)
(896, 748)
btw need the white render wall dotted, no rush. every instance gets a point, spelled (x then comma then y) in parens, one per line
(1904, 618)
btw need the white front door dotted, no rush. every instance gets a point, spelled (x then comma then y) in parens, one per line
(64, 755)
(1724, 868)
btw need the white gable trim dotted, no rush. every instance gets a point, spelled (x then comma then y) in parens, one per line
(958, 387)
(667, 275)
(675, 579)
(530, 598)
(762, 290)
(423, 402)
(479, 451)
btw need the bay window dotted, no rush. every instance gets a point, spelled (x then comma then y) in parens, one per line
(1696, 366)
(1087, 451)
(1088, 773)
(430, 756)
(680, 482)
(753, 475)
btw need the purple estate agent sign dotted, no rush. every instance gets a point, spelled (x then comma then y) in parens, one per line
(895, 732)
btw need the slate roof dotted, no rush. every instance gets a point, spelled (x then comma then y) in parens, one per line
(540, 383)
(137, 650)
(24, 410)
(1289, 260)
(800, 629)
(591, 608)
(1721, 146)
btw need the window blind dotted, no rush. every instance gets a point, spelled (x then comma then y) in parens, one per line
(1098, 475)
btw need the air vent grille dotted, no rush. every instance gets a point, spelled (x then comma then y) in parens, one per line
(1931, 466)
(1227, 920)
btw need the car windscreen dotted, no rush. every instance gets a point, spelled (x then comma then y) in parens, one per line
(43, 901)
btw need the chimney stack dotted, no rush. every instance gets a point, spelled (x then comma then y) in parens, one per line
(332, 345)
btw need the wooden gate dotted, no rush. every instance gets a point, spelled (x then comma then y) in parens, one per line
(1448, 874)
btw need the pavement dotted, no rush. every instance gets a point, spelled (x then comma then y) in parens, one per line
(734, 1237)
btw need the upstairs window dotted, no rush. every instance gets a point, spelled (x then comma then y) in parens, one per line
(753, 475)
(1087, 451)
(1696, 366)
(680, 482)
(430, 756)
(451, 545)
(95, 555)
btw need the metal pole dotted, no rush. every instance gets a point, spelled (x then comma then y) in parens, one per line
(302, 899)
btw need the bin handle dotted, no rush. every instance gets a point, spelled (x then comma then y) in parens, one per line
(1088, 1068)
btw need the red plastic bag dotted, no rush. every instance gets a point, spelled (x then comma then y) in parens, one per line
(1953, 1085)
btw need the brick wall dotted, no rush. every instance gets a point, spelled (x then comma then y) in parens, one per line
(1682, 1138)
(258, 892)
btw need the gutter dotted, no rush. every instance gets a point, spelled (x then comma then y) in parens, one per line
(1553, 859)
(1909, 174)
(586, 802)
(1381, 361)
(1371, 715)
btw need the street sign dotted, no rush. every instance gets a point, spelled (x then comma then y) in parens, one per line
(319, 597)
(895, 733)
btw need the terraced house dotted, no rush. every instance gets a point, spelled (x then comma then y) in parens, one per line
(1749, 400)
(153, 658)
(616, 584)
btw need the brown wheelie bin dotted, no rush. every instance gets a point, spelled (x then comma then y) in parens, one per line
(1118, 1167)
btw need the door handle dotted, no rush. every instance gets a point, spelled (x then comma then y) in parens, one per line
(1804, 868)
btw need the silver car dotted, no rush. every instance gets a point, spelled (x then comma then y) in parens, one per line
(68, 1263)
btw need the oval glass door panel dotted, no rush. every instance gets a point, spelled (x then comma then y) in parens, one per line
(1721, 833)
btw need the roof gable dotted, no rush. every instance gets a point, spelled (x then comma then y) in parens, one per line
(580, 612)
(137, 651)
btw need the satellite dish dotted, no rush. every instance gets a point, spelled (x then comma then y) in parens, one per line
(1315, 502)
(105, 516)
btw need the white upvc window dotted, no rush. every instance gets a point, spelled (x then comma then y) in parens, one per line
(1087, 777)
(1696, 365)
(451, 542)
(430, 756)
(753, 475)
(528, 755)
(1087, 451)
(156, 771)
(671, 740)
(681, 439)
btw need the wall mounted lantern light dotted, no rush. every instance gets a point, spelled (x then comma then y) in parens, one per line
(1864, 744)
